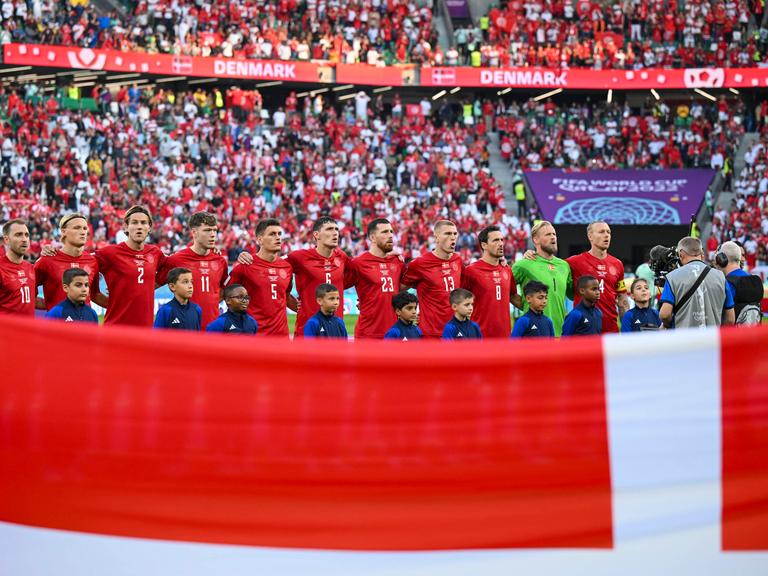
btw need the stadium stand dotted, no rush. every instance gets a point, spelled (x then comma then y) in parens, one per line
(592, 134)
(398, 31)
(554, 34)
(746, 221)
(208, 150)
(626, 35)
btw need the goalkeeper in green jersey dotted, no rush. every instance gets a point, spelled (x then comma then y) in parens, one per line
(548, 269)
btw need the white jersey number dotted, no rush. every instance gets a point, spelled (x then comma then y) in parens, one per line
(498, 292)
(273, 291)
(26, 297)
(205, 284)
(140, 279)
(387, 285)
(448, 280)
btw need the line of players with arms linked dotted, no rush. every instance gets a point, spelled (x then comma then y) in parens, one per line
(452, 301)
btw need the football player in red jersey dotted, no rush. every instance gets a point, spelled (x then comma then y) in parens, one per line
(17, 276)
(268, 280)
(49, 270)
(376, 276)
(129, 269)
(209, 269)
(609, 272)
(493, 285)
(435, 275)
(324, 264)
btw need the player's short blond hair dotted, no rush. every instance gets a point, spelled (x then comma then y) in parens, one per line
(595, 223)
(440, 224)
(538, 226)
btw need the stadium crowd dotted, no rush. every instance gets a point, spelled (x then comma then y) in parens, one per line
(552, 33)
(597, 135)
(626, 35)
(206, 150)
(747, 219)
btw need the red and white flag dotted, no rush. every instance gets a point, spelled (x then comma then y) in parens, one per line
(126, 451)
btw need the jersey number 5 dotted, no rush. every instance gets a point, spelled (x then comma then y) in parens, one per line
(273, 291)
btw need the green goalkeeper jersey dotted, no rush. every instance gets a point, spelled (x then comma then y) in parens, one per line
(556, 275)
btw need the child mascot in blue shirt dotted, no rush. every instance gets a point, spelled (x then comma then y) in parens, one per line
(74, 308)
(235, 320)
(407, 312)
(325, 324)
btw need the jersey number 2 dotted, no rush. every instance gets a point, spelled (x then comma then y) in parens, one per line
(140, 279)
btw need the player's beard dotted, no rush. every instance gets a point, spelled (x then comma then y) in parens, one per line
(550, 249)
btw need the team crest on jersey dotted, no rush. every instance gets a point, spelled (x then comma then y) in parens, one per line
(283, 274)
(455, 266)
(336, 262)
(611, 270)
(552, 267)
(505, 275)
(150, 259)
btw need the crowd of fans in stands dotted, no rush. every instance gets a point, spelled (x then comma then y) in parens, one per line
(747, 220)
(598, 135)
(629, 34)
(195, 150)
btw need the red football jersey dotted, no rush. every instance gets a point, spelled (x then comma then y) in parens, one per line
(268, 285)
(434, 279)
(610, 275)
(130, 278)
(209, 273)
(49, 272)
(376, 281)
(492, 287)
(17, 287)
(312, 269)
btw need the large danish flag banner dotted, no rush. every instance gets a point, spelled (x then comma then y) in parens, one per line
(127, 451)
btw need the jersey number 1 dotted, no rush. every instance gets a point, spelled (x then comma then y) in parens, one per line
(205, 284)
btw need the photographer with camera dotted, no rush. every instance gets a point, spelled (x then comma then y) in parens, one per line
(695, 295)
(746, 289)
